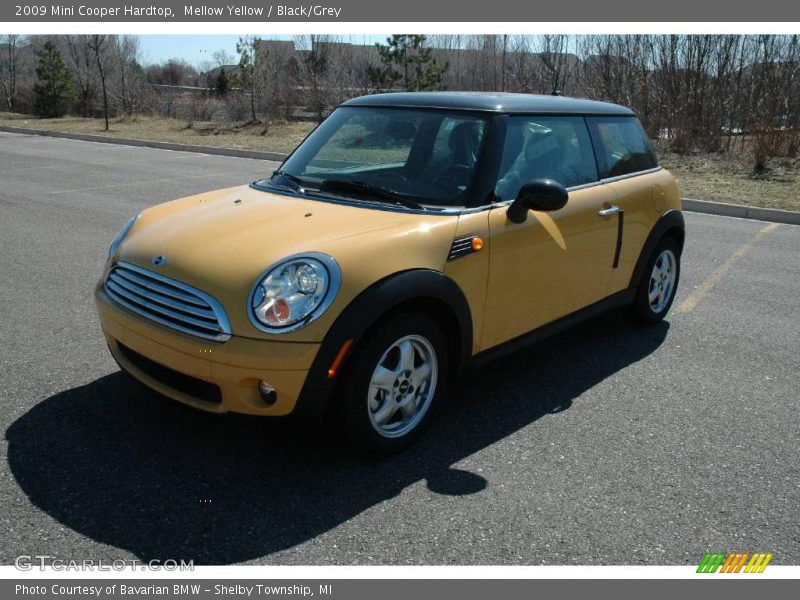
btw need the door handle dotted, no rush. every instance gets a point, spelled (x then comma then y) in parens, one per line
(610, 211)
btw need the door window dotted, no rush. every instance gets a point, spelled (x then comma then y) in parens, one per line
(557, 148)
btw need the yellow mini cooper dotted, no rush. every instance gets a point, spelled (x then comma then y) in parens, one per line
(407, 235)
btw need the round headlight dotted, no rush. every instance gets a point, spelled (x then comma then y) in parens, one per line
(115, 243)
(294, 292)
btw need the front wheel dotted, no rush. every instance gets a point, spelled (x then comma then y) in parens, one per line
(659, 283)
(394, 382)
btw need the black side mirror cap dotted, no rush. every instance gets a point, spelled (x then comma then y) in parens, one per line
(539, 194)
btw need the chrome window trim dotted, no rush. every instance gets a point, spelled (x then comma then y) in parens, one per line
(219, 312)
(634, 174)
(335, 274)
(584, 186)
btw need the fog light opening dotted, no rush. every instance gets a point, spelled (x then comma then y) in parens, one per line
(268, 393)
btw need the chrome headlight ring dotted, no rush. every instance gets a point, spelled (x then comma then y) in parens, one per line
(293, 292)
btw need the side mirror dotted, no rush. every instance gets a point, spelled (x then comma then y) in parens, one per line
(539, 194)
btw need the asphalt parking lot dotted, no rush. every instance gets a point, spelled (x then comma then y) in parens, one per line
(605, 445)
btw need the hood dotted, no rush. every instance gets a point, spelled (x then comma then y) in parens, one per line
(220, 242)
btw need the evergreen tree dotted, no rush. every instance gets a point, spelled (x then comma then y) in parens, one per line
(222, 83)
(53, 89)
(407, 62)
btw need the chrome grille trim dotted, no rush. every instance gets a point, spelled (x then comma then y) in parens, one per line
(192, 309)
(167, 302)
(169, 292)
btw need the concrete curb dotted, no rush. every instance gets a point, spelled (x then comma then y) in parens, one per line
(85, 137)
(690, 204)
(743, 212)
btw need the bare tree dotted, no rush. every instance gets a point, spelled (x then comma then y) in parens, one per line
(559, 65)
(126, 72)
(316, 64)
(9, 62)
(83, 69)
(99, 45)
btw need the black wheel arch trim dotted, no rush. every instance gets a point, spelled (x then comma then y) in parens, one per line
(669, 221)
(364, 312)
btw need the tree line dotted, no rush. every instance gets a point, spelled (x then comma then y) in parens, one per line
(695, 93)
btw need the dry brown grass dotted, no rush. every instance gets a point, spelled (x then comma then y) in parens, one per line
(727, 177)
(718, 177)
(272, 137)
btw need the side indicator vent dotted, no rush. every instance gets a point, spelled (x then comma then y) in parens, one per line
(464, 246)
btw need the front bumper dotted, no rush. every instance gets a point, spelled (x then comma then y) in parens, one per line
(235, 366)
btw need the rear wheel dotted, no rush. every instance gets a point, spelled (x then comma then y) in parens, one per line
(659, 283)
(394, 382)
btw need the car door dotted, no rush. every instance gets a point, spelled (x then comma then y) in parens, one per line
(629, 166)
(553, 263)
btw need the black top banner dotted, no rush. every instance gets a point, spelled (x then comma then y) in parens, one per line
(406, 11)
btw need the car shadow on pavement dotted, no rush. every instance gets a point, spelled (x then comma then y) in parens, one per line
(125, 467)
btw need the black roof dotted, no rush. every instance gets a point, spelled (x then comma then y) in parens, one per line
(492, 102)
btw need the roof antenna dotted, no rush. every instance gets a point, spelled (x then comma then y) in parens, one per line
(555, 93)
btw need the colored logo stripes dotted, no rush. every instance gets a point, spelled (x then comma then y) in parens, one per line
(734, 562)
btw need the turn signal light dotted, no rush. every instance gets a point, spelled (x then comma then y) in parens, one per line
(337, 362)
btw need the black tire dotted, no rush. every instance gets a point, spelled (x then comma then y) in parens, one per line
(641, 308)
(354, 402)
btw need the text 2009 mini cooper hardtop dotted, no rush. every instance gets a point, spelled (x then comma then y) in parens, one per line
(407, 234)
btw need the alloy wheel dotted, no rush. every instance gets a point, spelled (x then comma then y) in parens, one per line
(402, 386)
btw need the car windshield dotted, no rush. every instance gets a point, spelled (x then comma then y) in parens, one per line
(410, 157)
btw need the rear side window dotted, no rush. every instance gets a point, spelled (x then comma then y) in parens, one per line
(623, 147)
(537, 147)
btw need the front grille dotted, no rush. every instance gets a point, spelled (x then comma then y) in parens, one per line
(167, 302)
(191, 386)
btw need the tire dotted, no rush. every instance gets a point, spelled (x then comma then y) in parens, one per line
(651, 302)
(387, 398)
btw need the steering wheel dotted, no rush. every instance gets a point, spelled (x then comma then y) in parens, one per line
(455, 175)
(394, 175)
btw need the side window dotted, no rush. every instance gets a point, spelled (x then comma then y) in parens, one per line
(557, 148)
(624, 147)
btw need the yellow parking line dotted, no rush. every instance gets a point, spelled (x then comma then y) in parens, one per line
(716, 276)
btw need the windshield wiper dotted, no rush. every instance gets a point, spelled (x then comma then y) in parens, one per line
(295, 183)
(375, 191)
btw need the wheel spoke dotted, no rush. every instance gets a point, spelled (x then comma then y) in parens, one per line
(406, 362)
(376, 396)
(386, 411)
(408, 406)
(383, 378)
(423, 373)
(653, 295)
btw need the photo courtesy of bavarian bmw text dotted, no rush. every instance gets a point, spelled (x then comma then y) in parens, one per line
(303, 298)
